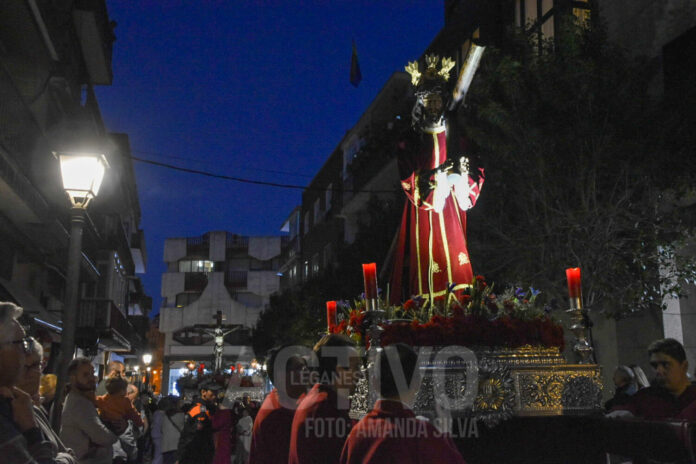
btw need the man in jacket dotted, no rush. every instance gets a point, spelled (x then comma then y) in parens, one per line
(196, 444)
(270, 439)
(391, 432)
(321, 423)
(81, 429)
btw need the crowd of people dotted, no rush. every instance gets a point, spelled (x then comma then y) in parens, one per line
(304, 419)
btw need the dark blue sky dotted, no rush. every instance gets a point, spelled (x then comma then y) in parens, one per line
(241, 87)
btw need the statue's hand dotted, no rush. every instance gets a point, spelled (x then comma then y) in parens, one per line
(442, 191)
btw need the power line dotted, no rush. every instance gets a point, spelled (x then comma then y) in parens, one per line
(272, 171)
(249, 181)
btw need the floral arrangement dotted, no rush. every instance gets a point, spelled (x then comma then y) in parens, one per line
(477, 316)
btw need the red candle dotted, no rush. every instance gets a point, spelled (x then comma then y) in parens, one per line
(370, 280)
(574, 286)
(331, 320)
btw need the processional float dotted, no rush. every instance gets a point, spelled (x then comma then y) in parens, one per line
(481, 355)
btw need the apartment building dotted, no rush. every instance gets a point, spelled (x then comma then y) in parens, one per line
(217, 271)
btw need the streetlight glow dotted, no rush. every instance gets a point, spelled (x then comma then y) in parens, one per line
(147, 358)
(82, 174)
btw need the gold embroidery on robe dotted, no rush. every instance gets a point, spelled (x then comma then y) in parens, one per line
(436, 267)
(463, 259)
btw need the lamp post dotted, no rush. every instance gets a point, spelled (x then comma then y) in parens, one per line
(82, 175)
(147, 359)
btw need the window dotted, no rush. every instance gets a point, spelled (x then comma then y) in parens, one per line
(327, 199)
(317, 211)
(328, 255)
(315, 265)
(238, 263)
(306, 222)
(531, 13)
(350, 152)
(196, 266)
(306, 270)
(581, 10)
(294, 225)
(258, 265)
(185, 299)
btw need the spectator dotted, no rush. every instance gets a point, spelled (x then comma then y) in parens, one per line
(383, 434)
(223, 421)
(327, 403)
(196, 444)
(47, 391)
(156, 431)
(641, 379)
(143, 437)
(243, 428)
(625, 386)
(172, 425)
(270, 439)
(114, 407)
(672, 395)
(81, 429)
(21, 440)
(114, 369)
(30, 384)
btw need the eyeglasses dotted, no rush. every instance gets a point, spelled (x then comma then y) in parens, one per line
(40, 365)
(24, 344)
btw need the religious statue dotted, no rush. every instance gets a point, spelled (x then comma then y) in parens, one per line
(436, 177)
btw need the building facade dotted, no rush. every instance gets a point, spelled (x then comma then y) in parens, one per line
(52, 55)
(216, 272)
(334, 203)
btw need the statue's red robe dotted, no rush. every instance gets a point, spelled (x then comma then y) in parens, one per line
(435, 243)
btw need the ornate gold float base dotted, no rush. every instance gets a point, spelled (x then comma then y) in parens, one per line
(495, 384)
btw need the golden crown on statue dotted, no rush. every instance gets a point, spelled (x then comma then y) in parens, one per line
(431, 72)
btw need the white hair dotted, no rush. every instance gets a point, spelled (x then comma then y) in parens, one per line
(8, 312)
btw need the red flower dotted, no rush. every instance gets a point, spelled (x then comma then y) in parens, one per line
(408, 305)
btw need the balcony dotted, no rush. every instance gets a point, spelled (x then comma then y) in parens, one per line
(237, 242)
(236, 280)
(96, 37)
(198, 246)
(99, 321)
(195, 281)
(138, 251)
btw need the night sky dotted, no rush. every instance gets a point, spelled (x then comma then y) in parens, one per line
(249, 89)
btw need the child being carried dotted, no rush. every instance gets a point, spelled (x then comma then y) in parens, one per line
(114, 407)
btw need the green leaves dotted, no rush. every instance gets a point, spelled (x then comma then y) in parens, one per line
(579, 156)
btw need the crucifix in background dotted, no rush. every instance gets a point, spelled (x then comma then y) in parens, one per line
(218, 331)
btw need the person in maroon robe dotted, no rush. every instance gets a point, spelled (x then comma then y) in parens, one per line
(270, 437)
(391, 432)
(672, 396)
(321, 423)
(439, 188)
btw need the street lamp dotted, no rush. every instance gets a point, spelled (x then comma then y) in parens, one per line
(82, 173)
(147, 359)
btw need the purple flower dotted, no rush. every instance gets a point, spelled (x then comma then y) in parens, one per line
(519, 293)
